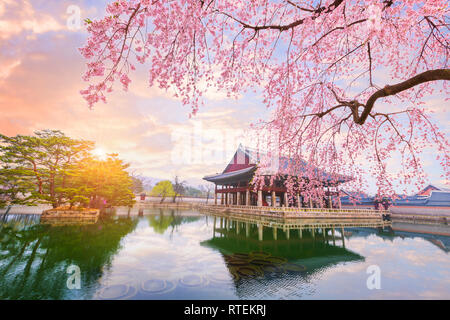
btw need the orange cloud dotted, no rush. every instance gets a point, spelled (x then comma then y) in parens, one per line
(40, 82)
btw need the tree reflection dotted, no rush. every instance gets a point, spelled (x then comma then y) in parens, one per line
(34, 259)
(168, 218)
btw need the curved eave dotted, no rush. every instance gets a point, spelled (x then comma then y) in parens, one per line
(246, 173)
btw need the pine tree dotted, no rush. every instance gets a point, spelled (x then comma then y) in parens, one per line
(34, 167)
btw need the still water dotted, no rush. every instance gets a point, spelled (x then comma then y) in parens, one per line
(171, 254)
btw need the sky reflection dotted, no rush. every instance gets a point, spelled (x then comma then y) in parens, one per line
(167, 254)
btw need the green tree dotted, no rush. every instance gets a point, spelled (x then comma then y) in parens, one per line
(76, 195)
(104, 181)
(163, 189)
(53, 168)
(15, 188)
(35, 167)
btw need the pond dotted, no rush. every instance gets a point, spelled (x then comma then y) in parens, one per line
(172, 254)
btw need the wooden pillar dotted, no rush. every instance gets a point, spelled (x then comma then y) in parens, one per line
(238, 200)
(247, 197)
(310, 203)
(260, 232)
(343, 238)
(225, 194)
(332, 233)
(286, 203)
(274, 199)
(247, 229)
(330, 201)
(215, 197)
(237, 227)
(299, 204)
(339, 200)
(260, 202)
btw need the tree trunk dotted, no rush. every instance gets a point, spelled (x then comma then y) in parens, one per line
(6, 212)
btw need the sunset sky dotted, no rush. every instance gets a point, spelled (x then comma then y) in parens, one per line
(40, 80)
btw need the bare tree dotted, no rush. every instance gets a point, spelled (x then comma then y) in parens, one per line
(206, 188)
(178, 188)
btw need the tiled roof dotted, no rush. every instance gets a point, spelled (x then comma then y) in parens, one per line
(246, 159)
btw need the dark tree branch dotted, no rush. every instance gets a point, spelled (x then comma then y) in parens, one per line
(316, 13)
(370, 63)
(427, 76)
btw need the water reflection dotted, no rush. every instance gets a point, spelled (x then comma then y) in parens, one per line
(171, 254)
(34, 257)
(266, 256)
(438, 235)
(167, 218)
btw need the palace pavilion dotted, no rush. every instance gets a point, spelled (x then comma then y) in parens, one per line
(234, 185)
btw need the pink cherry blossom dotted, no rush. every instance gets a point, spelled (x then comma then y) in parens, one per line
(346, 79)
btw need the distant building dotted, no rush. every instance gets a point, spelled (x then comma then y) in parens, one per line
(431, 200)
(357, 200)
(428, 189)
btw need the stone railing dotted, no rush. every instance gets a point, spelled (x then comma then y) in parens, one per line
(300, 210)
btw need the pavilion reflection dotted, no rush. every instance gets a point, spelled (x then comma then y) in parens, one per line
(264, 255)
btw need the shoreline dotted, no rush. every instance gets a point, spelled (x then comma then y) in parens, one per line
(266, 211)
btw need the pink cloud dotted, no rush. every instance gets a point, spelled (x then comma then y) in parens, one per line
(17, 16)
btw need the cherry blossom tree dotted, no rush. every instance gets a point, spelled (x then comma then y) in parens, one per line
(347, 80)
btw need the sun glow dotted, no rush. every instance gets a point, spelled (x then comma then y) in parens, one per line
(99, 153)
